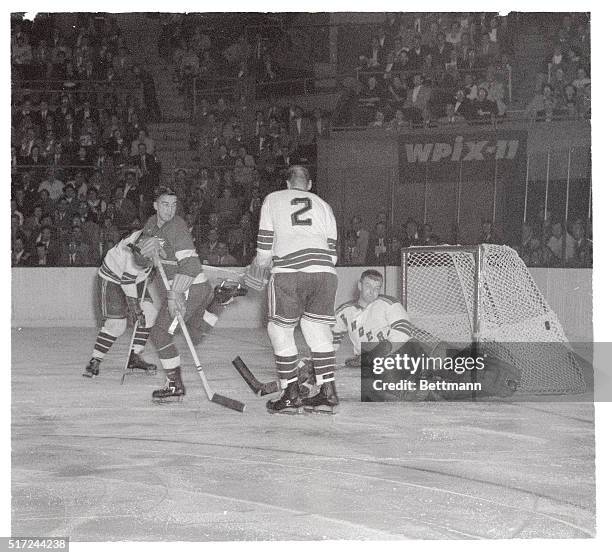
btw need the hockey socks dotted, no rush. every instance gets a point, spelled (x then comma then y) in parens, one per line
(324, 366)
(104, 342)
(289, 401)
(140, 339)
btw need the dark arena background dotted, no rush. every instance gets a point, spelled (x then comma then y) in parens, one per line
(419, 130)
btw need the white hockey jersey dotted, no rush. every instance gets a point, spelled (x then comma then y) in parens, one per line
(298, 228)
(385, 318)
(119, 266)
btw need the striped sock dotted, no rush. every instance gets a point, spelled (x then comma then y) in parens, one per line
(287, 369)
(324, 365)
(140, 339)
(104, 342)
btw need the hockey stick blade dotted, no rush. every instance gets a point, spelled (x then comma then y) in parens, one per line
(228, 402)
(257, 387)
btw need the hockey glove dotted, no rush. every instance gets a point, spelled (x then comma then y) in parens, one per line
(227, 290)
(256, 276)
(135, 312)
(176, 304)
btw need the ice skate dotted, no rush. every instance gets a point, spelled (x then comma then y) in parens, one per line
(288, 403)
(173, 390)
(323, 402)
(136, 362)
(93, 368)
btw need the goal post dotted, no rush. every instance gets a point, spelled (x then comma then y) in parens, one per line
(485, 295)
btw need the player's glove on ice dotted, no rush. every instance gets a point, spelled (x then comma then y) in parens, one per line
(135, 312)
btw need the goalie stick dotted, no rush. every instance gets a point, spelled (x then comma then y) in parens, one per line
(212, 396)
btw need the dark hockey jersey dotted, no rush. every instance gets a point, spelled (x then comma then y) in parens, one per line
(178, 251)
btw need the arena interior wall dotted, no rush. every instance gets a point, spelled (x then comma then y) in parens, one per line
(67, 297)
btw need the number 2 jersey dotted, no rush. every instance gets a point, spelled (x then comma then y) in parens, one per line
(385, 318)
(298, 228)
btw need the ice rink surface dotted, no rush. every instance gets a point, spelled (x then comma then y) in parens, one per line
(97, 461)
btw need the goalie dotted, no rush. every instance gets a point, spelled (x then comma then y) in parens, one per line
(381, 319)
(122, 288)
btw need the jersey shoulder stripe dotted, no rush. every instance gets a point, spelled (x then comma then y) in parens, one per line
(349, 304)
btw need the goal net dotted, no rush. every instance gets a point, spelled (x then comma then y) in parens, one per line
(485, 294)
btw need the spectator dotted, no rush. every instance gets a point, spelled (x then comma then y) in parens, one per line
(19, 256)
(368, 101)
(417, 101)
(241, 241)
(362, 242)
(41, 257)
(450, 118)
(485, 110)
(495, 90)
(52, 185)
(411, 233)
(144, 139)
(555, 244)
(378, 246)
(208, 250)
(583, 247)
(74, 251)
(379, 120)
(124, 210)
(543, 105)
(398, 122)
(487, 234)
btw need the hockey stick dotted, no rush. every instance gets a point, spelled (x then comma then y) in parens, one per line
(212, 396)
(257, 387)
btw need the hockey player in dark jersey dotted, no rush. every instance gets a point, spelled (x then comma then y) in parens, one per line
(190, 294)
(121, 282)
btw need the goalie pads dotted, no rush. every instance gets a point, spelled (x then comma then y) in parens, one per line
(256, 276)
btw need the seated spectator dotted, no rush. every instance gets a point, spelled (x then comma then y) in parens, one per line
(144, 139)
(555, 244)
(495, 90)
(222, 257)
(398, 122)
(52, 185)
(488, 51)
(320, 124)
(583, 247)
(369, 99)
(488, 234)
(41, 257)
(124, 210)
(582, 82)
(417, 101)
(74, 251)
(241, 241)
(558, 82)
(537, 254)
(485, 110)
(542, 103)
(208, 250)
(96, 205)
(450, 118)
(349, 249)
(379, 120)
(378, 245)
(19, 255)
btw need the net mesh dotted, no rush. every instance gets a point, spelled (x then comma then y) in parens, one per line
(514, 320)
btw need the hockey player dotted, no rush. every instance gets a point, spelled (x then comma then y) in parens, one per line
(190, 294)
(373, 318)
(121, 280)
(297, 239)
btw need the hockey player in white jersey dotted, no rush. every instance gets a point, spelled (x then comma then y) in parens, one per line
(297, 240)
(121, 282)
(372, 318)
